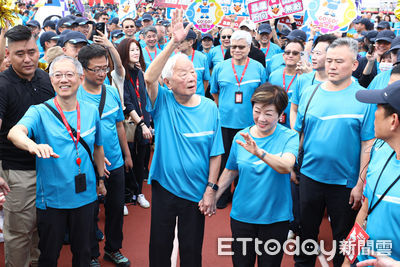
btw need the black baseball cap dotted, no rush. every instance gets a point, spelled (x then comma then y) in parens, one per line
(33, 23)
(50, 23)
(390, 95)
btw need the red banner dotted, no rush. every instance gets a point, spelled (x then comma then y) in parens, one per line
(264, 10)
(226, 22)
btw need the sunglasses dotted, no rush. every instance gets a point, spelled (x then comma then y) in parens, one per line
(226, 36)
(294, 53)
(240, 47)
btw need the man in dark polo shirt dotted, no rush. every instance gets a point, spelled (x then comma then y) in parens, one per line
(23, 84)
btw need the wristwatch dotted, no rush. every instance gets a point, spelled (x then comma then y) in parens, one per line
(102, 178)
(213, 186)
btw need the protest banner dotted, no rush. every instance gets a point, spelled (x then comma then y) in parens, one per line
(204, 14)
(127, 9)
(173, 3)
(226, 22)
(331, 15)
(264, 10)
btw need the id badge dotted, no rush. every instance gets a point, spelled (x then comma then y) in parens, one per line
(80, 183)
(282, 118)
(354, 242)
(238, 97)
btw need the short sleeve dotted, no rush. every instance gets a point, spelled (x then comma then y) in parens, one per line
(299, 119)
(232, 163)
(30, 120)
(217, 145)
(3, 101)
(292, 145)
(153, 108)
(98, 135)
(206, 74)
(367, 129)
(295, 94)
(263, 75)
(214, 87)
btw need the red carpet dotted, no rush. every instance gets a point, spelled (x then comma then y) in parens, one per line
(137, 232)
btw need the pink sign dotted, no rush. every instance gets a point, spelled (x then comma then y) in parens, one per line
(263, 10)
(172, 3)
(226, 22)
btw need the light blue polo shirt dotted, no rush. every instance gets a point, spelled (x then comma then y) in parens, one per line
(150, 56)
(112, 113)
(202, 69)
(186, 139)
(276, 78)
(336, 123)
(383, 222)
(224, 83)
(302, 82)
(55, 185)
(216, 56)
(381, 80)
(270, 200)
(276, 62)
(273, 50)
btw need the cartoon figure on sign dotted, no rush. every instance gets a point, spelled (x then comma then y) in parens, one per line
(204, 9)
(237, 6)
(332, 6)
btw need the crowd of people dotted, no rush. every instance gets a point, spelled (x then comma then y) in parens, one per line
(274, 119)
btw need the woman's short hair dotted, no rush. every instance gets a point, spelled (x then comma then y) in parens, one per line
(269, 94)
(240, 34)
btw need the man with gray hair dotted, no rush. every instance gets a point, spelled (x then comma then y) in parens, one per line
(233, 82)
(338, 132)
(186, 157)
(66, 179)
(151, 50)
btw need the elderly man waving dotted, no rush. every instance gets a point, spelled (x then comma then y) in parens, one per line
(187, 153)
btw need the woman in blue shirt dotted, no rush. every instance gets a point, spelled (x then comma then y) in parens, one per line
(263, 156)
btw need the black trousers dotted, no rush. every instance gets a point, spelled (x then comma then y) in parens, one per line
(227, 136)
(52, 224)
(314, 198)
(166, 207)
(263, 232)
(114, 212)
(138, 153)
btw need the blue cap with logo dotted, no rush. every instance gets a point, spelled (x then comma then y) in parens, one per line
(74, 37)
(390, 95)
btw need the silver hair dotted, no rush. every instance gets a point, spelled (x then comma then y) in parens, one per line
(349, 42)
(77, 64)
(149, 29)
(237, 35)
(168, 69)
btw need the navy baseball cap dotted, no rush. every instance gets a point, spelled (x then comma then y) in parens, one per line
(390, 95)
(114, 21)
(166, 23)
(66, 22)
(284, 32)
(147, 17)
(33, 23)
(191, 35)
(50, 23)
(395, 44)
(117, 33)
(383, 25)
(138, 24)
(264, 28)
(47, 36)
(74, 37)
(297, 34)
(83, 21)
(370, 35)
(385, 35)
(206, 35)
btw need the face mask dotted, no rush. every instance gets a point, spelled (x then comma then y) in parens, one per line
(384, 66)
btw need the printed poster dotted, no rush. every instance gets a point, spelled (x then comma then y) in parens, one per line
(263, 10)
(204, 14)
(127, 9)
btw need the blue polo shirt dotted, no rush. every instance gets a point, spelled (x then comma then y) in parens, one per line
(216, 56)
(276, 78)
(302, 82)
(150, 56)
(335, 125)
(186, 139)
(273, 50)
(55, 185)
(202, 69)
(381, 80)
(112, 113)
(383, 222)
(270, 200)
(276, 62)
(223, 82)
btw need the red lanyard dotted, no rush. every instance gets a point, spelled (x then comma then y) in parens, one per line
(266, 53)
(148, 52)
(223, 53)
(78, 128)
(137, 92)
(192, 54)
(284, 81)
(244, 71)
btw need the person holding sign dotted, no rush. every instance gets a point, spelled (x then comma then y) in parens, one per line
(66, 133)
(233, 82)
(381, 190)
(186, 157)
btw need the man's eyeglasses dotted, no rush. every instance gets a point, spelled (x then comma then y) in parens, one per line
(67, 75)
(226, 36)
(240, 47)
(294, 53)
(99, 70)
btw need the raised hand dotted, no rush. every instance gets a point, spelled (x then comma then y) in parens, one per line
(250, 144)
(178, 31)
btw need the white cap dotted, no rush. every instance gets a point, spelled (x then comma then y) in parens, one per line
(249, 24)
